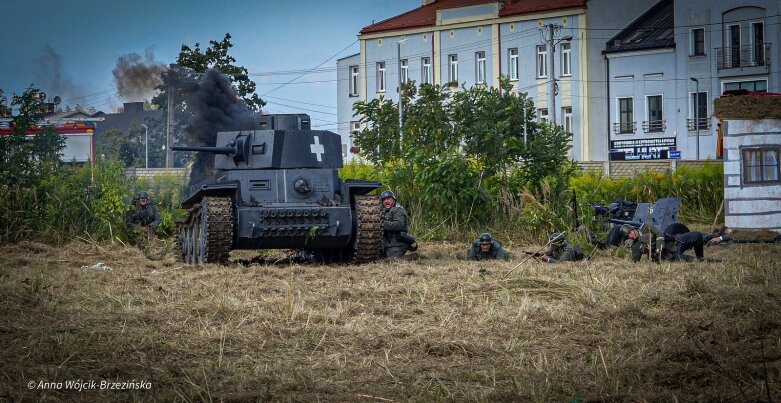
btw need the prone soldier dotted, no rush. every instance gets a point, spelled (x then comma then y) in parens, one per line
(560, 250)
(485, 247)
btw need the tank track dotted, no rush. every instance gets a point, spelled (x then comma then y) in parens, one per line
(369, 231)
(206, 235)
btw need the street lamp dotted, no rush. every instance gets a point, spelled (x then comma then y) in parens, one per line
(697, 112)
(146, 146)
(552, 31)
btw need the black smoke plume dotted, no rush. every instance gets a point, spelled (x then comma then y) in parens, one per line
(136, 77)
(216, 107)
(50, 76)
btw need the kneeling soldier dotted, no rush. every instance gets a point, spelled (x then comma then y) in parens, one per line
(664, 246)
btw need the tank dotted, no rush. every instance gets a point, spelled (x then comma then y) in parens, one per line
(278, 187)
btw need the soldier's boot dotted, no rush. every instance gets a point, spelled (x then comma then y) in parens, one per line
(677, 256)
(698, 251)
(411, 257)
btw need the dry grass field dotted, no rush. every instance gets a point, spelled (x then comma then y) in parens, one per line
(440, 328)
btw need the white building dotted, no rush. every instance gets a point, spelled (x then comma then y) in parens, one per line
(724, 44)
(752, 174)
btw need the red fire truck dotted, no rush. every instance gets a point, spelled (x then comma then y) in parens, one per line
(79, 140)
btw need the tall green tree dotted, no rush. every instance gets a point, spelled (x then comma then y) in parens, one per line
(189, 67)
(193, 62)
(454, 146)
(125, 147)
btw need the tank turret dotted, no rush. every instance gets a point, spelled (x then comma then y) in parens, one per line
(279, 188)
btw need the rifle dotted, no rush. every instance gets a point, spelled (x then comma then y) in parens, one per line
(535, 254)
(531, 255)
(622, 222)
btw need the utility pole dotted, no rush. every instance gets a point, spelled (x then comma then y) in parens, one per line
(146, 146)
(551, 34)
(169, 153)
(398, 59)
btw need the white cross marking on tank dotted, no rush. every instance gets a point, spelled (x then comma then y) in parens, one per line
(317, 149)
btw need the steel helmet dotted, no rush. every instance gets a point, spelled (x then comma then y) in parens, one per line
(485, 238)
(624, 231)
(142, 195)
(557, 238)
(387, 193)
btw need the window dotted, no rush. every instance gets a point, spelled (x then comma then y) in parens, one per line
(513, 67)
(698, 109)
(355, 126)
(452, 68)
(566, 59)
(758, 85)
(380, 76)
(760, 164)
(567, 112)
(404, 71)
(542, 61)
(425, 70)
(542, 115)
(757, 43)
(698, 42)
(354, 81)
(480, 67)
(734, 46)
(626, 117)
(655, 121)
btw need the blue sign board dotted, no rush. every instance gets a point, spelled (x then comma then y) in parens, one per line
(675, 155)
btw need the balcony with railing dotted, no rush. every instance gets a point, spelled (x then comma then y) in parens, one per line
(703, 123)
(654, 126)
(624, 127)
(732, 57)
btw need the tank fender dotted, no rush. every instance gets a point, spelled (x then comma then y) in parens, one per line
(352, 188)
(201, 190)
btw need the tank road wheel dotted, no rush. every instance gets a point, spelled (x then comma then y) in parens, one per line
(179, 242)
(192, 230)
(184, 236)
(214, 233)
(368, 233)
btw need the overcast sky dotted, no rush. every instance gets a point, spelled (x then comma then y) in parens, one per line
(69, 48)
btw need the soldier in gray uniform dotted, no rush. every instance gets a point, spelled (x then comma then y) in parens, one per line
(143, 214)
(663, 246)
(485, 247)
(560, 250)
(395, 239)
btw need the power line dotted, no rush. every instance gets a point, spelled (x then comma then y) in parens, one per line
(303, 74)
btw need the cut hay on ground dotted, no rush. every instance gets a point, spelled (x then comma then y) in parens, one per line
(437, 329)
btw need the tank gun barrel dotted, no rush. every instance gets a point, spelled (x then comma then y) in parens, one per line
(238, 148)
(215, 150)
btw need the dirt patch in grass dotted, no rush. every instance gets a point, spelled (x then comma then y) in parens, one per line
(440, 328)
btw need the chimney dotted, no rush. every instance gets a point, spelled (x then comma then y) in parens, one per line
(133, 107)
